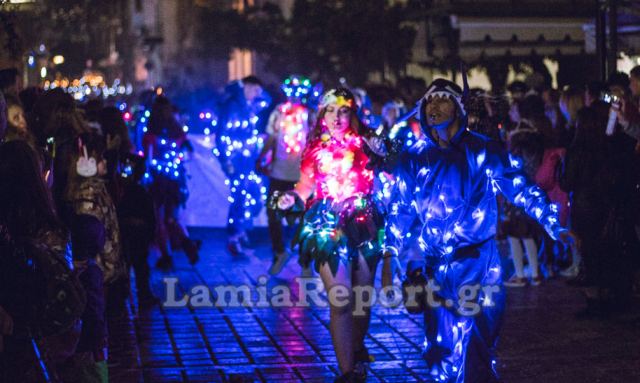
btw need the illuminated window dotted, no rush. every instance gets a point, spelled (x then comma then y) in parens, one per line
(241, 5)
(241, 64)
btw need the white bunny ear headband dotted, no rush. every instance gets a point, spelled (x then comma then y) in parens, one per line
(85, 166)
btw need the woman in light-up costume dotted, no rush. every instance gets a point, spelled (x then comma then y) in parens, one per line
(342, 227)
(448, 180)
(166, 147)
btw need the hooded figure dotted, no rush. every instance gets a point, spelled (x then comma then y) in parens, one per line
(448, 181)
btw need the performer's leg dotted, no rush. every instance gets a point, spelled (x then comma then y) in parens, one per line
(480, 353)
(180, 235)
(275, 224)
(140, 254)
(341, 318)
(470, 287)
(280, 256)
(236, 218)
(446, 337)
(480, 363)
(362, 276)
(162, 238)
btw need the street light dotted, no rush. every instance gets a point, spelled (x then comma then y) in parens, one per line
(58, 59)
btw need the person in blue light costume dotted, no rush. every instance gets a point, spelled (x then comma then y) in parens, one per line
(238, 144)
(166, 148)
(448, 181)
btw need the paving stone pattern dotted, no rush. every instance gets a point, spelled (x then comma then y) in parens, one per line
(540, 340)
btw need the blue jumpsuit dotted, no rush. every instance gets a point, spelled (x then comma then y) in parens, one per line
(238, 144)
(451, 192)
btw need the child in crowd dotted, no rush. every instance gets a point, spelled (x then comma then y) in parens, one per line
(89, 363)
(520, 229)
(87, 194)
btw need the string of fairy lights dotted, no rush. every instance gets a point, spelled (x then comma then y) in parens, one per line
(90, 86)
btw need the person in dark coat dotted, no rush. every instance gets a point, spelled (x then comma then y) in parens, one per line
(136, 215)
(598, 172)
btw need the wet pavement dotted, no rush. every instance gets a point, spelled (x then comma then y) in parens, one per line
(540, 339)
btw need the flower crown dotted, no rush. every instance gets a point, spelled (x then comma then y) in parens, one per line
(330, 98)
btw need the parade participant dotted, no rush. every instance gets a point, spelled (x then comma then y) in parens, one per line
(340, 229)
(137, 220)
(287, 129)
(398, 125)
(238, 145)
(391, 112)
(449, 181)
(365, 109)
(520, 229)
(165, 145)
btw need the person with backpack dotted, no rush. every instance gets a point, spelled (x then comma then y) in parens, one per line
(87, 193)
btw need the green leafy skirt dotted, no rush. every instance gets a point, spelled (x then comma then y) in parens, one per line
(337, 232)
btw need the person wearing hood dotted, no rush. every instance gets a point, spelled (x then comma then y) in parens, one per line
(448, 181)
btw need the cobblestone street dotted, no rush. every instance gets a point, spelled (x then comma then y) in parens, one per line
(540, 340)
